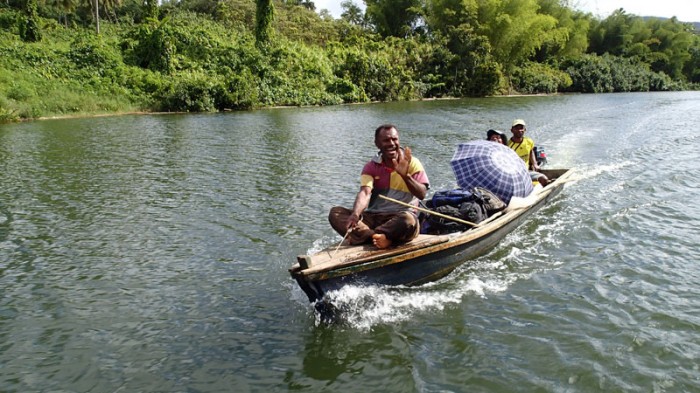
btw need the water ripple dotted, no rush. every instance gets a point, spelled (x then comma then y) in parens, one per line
(150, 253)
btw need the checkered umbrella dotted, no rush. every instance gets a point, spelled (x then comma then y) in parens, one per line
(492, 166)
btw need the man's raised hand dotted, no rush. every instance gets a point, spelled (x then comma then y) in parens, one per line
(401, 164)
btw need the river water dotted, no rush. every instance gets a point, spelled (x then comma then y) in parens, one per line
(150, 254)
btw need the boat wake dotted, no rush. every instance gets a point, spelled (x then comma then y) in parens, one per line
(585, 173)
(364, 307)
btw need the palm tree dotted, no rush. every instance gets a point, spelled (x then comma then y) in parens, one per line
(67, 6)
(96, 10)
(111, 6)
(107, 4)
(352, 13)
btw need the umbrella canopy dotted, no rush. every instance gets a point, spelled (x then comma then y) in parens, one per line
(492, 166)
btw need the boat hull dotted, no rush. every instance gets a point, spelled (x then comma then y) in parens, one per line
(414, 263)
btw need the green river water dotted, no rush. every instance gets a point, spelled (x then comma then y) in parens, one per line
(150, 254)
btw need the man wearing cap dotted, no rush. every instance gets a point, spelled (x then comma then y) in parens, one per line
(524, 147)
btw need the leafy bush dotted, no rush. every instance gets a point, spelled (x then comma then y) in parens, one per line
(534, 78)
(150, 45)
(20, 90)
(7, 114)
(297, 23)
(347, 91)
(91, 52)
(589, 74)
(8, 20)
(237, 13)
(376, 69)
(628, 75)
(141, 83)
(481, 80)
(607, 73)
(190, 92)
(238, 91)
(658, 81)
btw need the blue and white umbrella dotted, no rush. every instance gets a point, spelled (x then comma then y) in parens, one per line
(492, 166)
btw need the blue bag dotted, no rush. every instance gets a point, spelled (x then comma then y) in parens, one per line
(450, 197)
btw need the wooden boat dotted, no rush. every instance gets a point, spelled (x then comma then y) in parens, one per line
(424, 259)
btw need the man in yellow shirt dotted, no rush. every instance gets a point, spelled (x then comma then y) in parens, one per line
(524, 147)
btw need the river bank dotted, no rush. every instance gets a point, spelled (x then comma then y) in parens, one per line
(142, 112)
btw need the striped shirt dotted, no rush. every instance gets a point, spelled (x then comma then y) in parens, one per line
(385, 181)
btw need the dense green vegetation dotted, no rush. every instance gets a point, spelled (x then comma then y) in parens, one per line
(60, 57)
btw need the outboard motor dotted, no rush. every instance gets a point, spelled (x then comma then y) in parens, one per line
(540, 156)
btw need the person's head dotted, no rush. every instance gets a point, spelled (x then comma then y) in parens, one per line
(386, 138)
(518, 128)
(496, 136)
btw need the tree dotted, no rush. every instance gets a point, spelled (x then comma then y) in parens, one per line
(692, 67)
(671, 47)
(663, 44)
(570, 37)
(352, 13)
(96, 10)
(264, 15)
(474, 71)
(309, 5)
(29, 25)
(150, 8)
(394, 18)
(445, 15)
(514, 29)
(613, 34)
(65, 6)
(156, 47)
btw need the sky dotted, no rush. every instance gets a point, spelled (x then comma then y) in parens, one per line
(684, 10)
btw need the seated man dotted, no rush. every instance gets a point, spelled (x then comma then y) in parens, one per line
(524, 147)
(395, 173)
(497, 136)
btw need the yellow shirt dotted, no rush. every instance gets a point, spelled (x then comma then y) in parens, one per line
(523, 149)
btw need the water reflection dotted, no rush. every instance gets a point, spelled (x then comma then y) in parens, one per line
(334, 355)
(326, 357)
